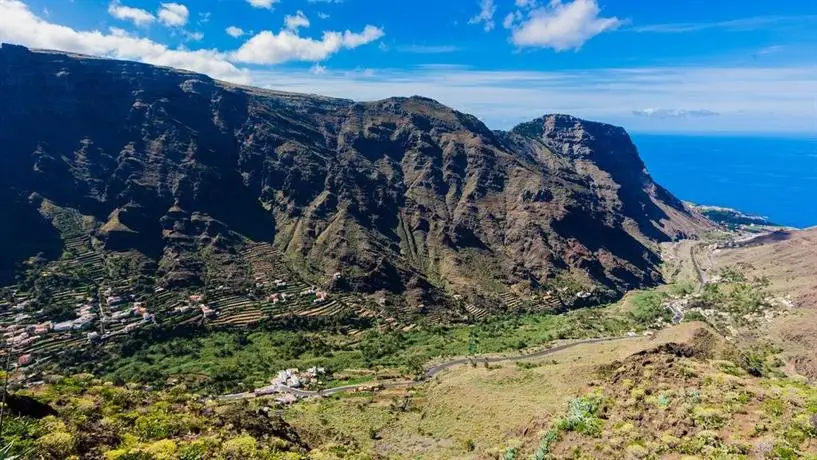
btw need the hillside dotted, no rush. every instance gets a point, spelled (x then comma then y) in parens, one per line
(403, 196)
(787, 260)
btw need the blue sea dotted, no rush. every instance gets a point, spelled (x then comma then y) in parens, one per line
(772, 177)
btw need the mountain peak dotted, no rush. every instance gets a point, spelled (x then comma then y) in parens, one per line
(403, 195)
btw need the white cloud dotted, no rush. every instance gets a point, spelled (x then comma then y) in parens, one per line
(296, 21)
(234, 31)
(173, 14)
(674, 113)
(487, 9)
(741, 24)
(19, 25)
(270, 48)
(525, 3)
(194, 36)
(742, 96)
(324, 1)
(262, 3)
(369, 34)
(563, 25)
(317, 69)
(323, 15)
(126, 13)
(511, 19)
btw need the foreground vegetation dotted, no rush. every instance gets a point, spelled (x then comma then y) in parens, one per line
(693, 397)
(667, 404)
(98, 420)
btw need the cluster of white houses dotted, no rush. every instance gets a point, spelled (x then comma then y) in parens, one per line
(293, 378)
(21, 331)
(196, 302)
(320, 296)
(20, 335)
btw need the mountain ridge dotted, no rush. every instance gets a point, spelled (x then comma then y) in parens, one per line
(403, 196)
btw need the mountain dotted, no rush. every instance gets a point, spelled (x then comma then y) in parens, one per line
(402, 196)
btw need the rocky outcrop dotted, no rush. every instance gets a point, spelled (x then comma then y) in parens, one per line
(403, 195)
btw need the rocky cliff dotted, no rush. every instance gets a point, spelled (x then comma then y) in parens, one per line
(403, 195)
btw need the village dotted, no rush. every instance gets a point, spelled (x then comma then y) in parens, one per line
(95, 314)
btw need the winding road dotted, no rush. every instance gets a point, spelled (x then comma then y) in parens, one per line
(429, 374)
(433, 371)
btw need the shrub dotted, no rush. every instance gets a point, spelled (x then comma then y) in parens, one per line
(637, 450)
(708, 417)
(545, 444)
(581, 417)
(511, 453)
(56, 444)
(153, 427)
(163, 450)
(240, 448)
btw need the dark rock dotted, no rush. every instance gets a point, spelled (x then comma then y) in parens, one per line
(393, 193)
(25, 406)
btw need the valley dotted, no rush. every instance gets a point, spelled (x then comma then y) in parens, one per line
(203, 270)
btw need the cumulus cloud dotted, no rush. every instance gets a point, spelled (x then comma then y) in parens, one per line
(487, 9)
(267, 4)
(270, 48)
(19, 25)
(173, 14)
(674, 113)
(298, 20)
(234, 31)
(563, 25)
(126, 13)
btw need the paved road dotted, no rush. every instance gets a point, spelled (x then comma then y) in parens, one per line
(677, 313)
(427, 375)
(700, 273)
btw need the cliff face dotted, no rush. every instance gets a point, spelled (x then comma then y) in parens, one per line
(403, 194)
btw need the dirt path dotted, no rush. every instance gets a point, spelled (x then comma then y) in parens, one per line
(429, 374)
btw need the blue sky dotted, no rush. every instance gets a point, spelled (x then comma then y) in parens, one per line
(689, 66)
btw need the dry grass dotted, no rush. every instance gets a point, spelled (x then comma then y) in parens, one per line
(788, 261)
(789, 264)
(473, 412)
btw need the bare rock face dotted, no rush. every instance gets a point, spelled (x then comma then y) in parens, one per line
(403, 195)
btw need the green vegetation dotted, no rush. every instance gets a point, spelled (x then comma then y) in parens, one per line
(100, 420)
(231, 360)
(582, 417)
(648, 307)
(659, 405)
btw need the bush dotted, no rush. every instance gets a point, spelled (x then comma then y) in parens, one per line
(240, 448)
(581, 417)
(56, 445)
(708, 417)
(163, 450)
(545, 444)
(154, 427)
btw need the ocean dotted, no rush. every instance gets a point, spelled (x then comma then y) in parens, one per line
(771, 177)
